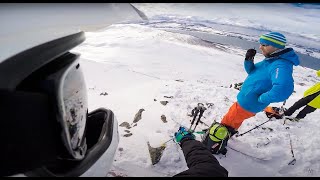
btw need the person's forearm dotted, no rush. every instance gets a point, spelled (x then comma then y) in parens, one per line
(200, 161)
(195, 152)
(249, 66)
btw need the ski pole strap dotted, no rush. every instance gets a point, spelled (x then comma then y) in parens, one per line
(199, 132)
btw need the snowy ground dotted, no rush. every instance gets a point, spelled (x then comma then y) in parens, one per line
(138, 65)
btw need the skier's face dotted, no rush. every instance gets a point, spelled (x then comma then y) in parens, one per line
(267, 49)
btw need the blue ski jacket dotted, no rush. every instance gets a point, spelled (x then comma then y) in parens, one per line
(268, 81)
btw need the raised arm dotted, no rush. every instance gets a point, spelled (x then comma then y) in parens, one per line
(248, 61)
(249, 66)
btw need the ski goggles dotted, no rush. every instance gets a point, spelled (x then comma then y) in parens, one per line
(45, 126)
(89, 138)
(70, 103)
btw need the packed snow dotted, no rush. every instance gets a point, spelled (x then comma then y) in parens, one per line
(148, 67)
(139, 66)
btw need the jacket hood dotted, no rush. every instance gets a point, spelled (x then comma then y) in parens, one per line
(287, 54)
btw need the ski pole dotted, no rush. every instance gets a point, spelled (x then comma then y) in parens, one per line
(200, 115)
(168, 141)
(172, 138)
(294, 159)
(195, 112)
(204, 123)
(253, 128)
(281, 110)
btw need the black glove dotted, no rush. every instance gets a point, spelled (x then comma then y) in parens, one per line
(250, 54)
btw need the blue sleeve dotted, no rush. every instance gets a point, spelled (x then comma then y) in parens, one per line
(282, 84)
(248, 66)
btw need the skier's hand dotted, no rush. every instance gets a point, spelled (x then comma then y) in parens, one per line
(250, 54)
(183, 133)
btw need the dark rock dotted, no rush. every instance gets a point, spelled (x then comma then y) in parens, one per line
(138, 116)
(164, 102)
(155, 153)
(128, 135)
(168, 97)
(163, 118)
(103, 94)
(125, 124)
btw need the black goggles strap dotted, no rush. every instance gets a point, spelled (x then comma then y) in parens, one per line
(27, 133)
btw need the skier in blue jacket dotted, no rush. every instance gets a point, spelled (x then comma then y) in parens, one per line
(268, 81)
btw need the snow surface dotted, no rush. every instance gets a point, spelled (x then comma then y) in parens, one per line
(137, 66)
(138, 63)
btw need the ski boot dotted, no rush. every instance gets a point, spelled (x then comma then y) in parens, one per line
(275, 112)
